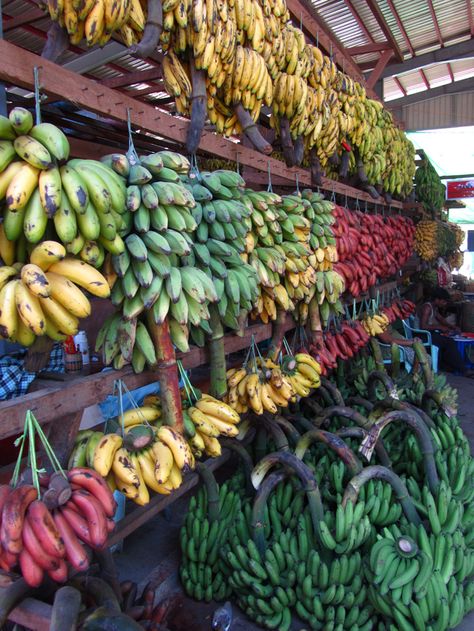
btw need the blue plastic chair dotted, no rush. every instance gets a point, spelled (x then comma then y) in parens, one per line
(403, 357)
(425, 336)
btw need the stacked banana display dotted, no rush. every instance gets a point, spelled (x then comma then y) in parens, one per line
(80, 203)
(430, 190)
(265, 386)
(96, 21)
(45, 297)
(426, 239)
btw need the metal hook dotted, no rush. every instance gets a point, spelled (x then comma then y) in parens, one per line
(37, 95)
(131, 153)
(269, 187)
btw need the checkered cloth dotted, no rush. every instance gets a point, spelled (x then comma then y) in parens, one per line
(15, 381)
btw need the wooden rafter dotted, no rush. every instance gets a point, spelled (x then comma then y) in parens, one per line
(399, 85)
(129, 78)
(401, 27)
(377, 71)
(373, 47)
(450, 70)
(378, 15)
(14, 22)
(469, 16)
(356, 16)
(435, 23)
(425, 79)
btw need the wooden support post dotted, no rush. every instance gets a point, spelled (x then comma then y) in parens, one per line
(218, 387)
(61, 436)
(377, 71)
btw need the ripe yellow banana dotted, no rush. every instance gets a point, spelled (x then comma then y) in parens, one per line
(105, 452)
(30, 310)
(35, 279)
(139, 415)
(69, 295)
(47, 253)
(218, 409)
(182, 453)
(8, 310)
(164, 461)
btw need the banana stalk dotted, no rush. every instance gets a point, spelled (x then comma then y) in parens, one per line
(267, 425)
(245, 458)
(343, 412)
(359, 432)
(432, 397)
(286, 142)
(303, 472)
(424, 438)
(291, 432)
(395, 365)
(336, 395)
(315, 327)
(389, 403)
(335, 443)
(167, 373)
(56, 43)
(251, 130)
(382, 473)
(152, 32)
(316, 169)
(278, 333)
(377, 353)
(259, 505)
(361, 402)
(377, 376)
(425, 363)
(218, 387)
(212, 489)
(198, 108)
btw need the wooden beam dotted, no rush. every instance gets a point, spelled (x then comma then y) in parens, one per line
(87, 149)
(452, 52)
(129, 78)
(469, 16)
(377, 71)
(14, 22)
(378, 15)
(400, 87)
(425, 79)
(464, 85)
(450, 70)
(374, 47)
(401, 27)
(435, 23)
(361, 24)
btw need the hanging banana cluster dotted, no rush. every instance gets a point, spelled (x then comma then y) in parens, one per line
(426, 241)
(80, 203)
(44, 297)
(97, 20)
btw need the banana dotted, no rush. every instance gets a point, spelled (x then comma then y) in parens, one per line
(218, 409)
(63, 319)
(29, 309)
(32, 152)
(53, 139)
(8, 310)
(141, 414)
(21, 187)
(47, 253)
(83, 275)
(104, 453)
(182, 453)
(163, 457)
(35, 280)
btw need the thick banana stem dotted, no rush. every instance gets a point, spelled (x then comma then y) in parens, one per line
(361, 402)
(312, 405)
(245, 458)
(108, 570)
(11, 595)
(335, 393)
(260, 444)
(259, 505)
(358, 432)
(315, 326)
(218, 387)
(425, 363)
(299, 150)
(286, 142)
(394, 404)
(335, 443)
(198, 108)
(379, 377)
(251, 130)
(424, 438)
(364, 180)
(167, 373)
(290, 431)
(395, 365)
(278, 333)
(100, 591)
(344, 164)
(212, 489)
(279, 438)
(303, 472)
(152, 33)
(343, 412)
(57, 42)
(432, 397)
(382, 473)
(377, 353)
(316, 169)
(302, 422)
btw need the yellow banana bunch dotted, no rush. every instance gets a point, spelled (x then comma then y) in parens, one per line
(426, 243)
(97, 20)
(375, 324)
(44, 297)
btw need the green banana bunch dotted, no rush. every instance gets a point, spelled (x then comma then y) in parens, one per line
(430, 191)
(201, 541)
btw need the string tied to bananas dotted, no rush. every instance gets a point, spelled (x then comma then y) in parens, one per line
(132, 155)
(38, 96)
(191, 393)
(269, 170)
(31, 432)
(119, 387)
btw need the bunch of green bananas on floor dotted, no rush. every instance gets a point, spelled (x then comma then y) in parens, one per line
(96, 22)
(219, 242)
(77, 202)
(201, 540)
(350, 525)
(430, 190)
(381, 507)
(332, 594)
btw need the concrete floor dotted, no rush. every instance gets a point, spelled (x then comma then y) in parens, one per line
(158, 539)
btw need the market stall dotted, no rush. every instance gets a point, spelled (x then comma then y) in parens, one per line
(251, 272)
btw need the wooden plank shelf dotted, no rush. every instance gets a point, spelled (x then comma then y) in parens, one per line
(60, 400)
